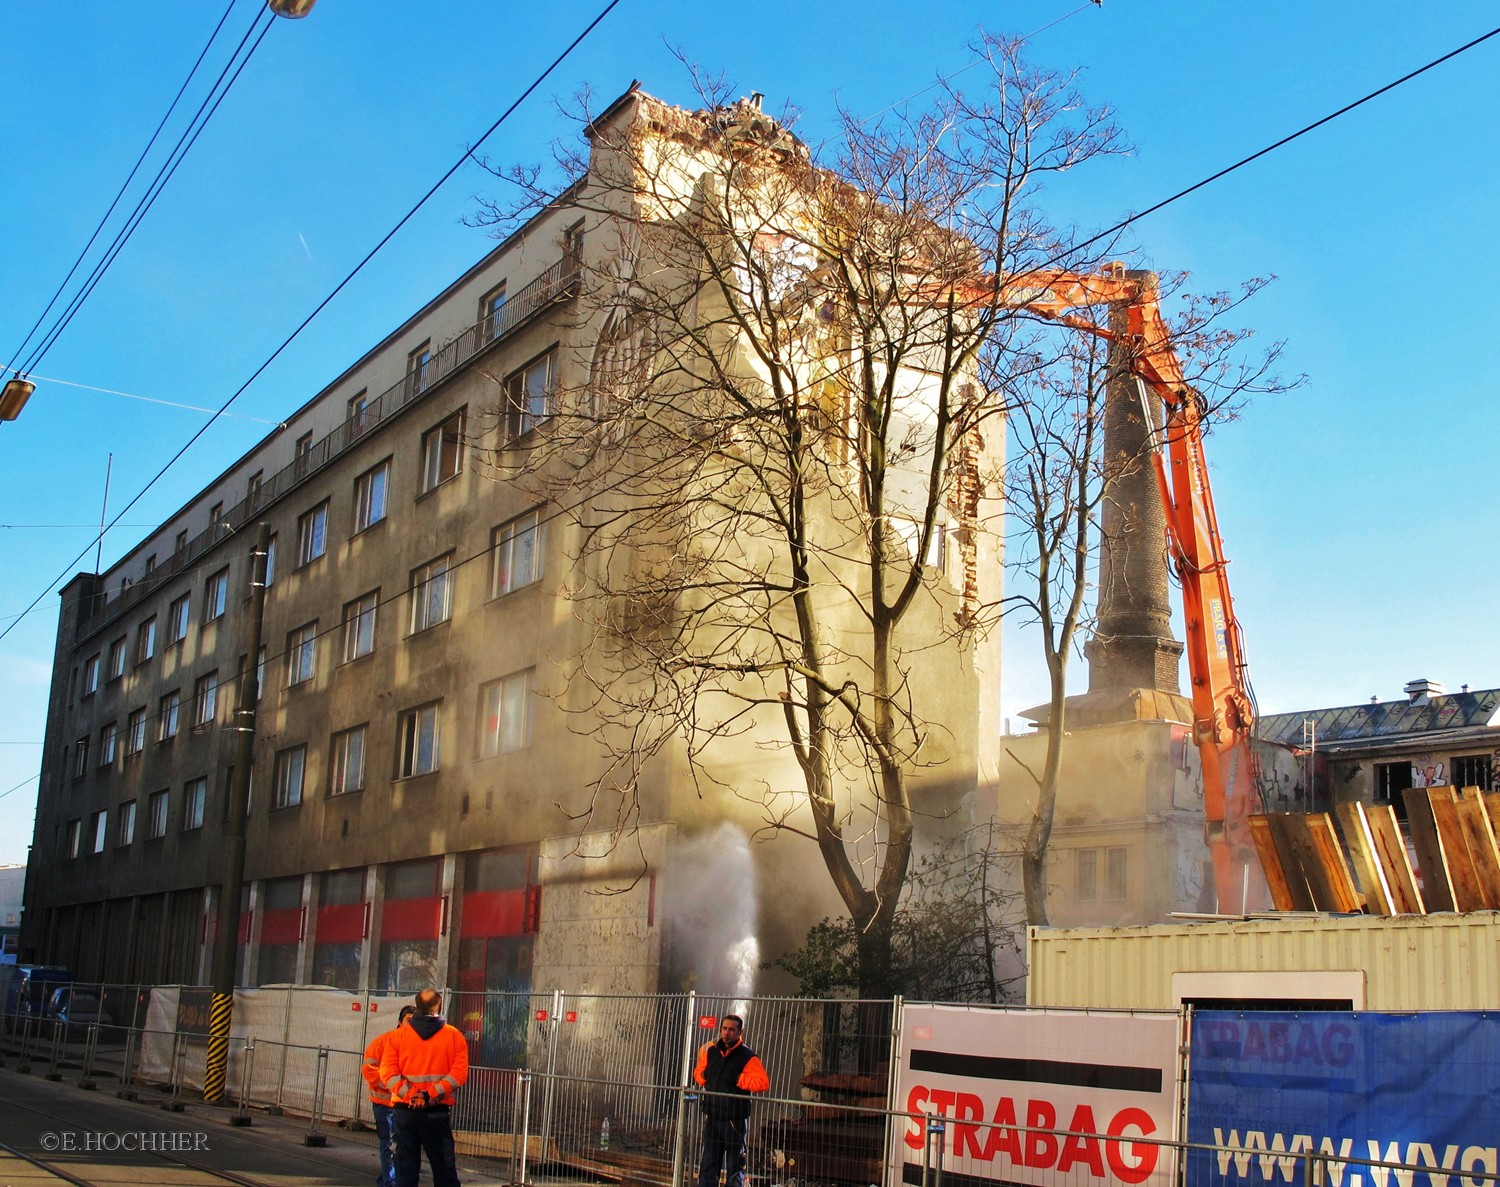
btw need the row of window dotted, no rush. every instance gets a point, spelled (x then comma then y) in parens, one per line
(505, 720)
(517, 563)
(158, 815)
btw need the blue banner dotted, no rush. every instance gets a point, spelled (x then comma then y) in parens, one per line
(1417, 1089)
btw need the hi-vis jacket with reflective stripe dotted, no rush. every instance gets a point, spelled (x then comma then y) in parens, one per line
(426, 1055)
(370, 1068)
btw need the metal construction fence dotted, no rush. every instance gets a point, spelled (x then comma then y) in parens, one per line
(598, 1089)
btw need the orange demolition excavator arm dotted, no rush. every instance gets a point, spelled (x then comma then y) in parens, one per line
(1223, 706)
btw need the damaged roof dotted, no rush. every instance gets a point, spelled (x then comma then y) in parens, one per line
(1385, 719)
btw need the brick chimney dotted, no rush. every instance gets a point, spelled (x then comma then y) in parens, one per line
(1132, 646)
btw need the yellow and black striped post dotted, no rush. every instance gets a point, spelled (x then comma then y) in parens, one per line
(227, 932)
(216, 1066)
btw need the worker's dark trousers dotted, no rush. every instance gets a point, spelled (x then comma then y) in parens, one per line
(723, 1143)
(430, 1130)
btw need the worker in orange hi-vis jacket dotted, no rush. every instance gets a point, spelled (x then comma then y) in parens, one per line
(380, 1099)
(424, 1065)
(729, 1073)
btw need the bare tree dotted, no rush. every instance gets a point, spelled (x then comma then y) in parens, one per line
(1064, 470)
(782, 452)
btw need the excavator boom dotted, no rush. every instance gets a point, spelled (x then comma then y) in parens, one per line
(1223, 706)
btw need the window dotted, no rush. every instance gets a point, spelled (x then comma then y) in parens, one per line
(150, 564)
(359, 412)
(160, 807)
(573, 241)
(518, 553)
(81, 758)
(505, 715)
(1391, 780)
(1085, 875)
(369, 496)
(91, 676)
(260, 674)
(490, 311)
(206, 699)
(108, 737)
(179, 613)
(312, 535)
(359, 626)
(1472, 770)
(418, 368)
(145, 640)
(216, 514)
(135, 731)
(420, 741)
(431, 594)
(1114, 873)
(346, 765)
(302, 454)
(528, 395)
(194, 793)
(98, 831)
(74, 837)
(443, 451)
(252, 489)
(117, 659)
(291, 765)
(126, 833)
(301, 654)
(180, 544)
(166, 712)
(271, 562)
(216, 595)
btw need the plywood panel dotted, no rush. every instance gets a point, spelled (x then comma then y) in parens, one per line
(1361, 841)
(1467, 895)
(1335, 869)
(1270, 864)
(1395, 861)
(1284, 835)
(1481, 840)
(1437, 890)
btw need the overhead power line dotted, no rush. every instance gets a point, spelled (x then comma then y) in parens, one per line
(125, 185)
(1136, 217)
(179, 153)
(355, 271)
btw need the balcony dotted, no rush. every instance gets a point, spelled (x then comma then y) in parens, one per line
(559, 283)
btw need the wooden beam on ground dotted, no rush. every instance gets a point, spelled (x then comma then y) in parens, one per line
(1480, 835)
(1437, 887)
(1360, 837)
(1282, 898)
(1330, 857)
(1467, 895)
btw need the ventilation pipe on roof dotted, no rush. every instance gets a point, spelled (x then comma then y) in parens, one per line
(1419, 692)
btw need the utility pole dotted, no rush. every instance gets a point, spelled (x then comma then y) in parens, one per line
(227, 932)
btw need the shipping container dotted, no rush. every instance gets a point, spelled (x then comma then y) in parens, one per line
(1410, 962)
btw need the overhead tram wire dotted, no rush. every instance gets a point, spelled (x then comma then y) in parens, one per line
(1255, 156)
(125, 185)
(164, 175)
(556, 62)
(407, 217)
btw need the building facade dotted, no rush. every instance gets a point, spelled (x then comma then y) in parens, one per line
(423, 764)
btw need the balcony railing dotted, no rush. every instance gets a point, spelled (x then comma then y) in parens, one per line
(558, 283)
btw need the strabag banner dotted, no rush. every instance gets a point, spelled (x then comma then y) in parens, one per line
(1000, 1079)
(1416, 1089)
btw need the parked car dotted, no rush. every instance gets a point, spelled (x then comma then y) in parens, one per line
(25, 988)
(76, 1009)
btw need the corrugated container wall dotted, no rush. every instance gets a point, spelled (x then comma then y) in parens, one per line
(1415, 962)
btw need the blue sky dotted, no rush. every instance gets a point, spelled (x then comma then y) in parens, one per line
(1353, 509)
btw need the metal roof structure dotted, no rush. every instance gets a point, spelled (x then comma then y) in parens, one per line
(1376, 722)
